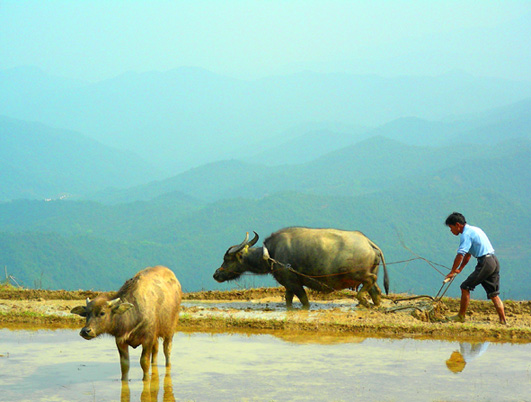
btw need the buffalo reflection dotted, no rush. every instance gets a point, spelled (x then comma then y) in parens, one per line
(151, 387)
(466, 353)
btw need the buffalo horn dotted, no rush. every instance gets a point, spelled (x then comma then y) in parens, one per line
(239, 247)
(254, 240)
(246, 242)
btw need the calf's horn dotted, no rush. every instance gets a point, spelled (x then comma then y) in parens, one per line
(113, 302)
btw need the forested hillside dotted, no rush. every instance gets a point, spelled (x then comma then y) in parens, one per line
(398, 196)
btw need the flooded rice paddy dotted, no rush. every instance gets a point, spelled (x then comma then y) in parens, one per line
(59, 365)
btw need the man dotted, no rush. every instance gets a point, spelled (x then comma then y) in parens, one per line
(474, 242)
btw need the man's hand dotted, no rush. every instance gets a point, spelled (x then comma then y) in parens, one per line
(452, 274)
(459, 263)
(449, 277)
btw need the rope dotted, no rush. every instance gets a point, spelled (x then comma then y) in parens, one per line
(313, 277)
(288, 266)
(431, 263)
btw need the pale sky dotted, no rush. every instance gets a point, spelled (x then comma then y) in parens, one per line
(96, 40)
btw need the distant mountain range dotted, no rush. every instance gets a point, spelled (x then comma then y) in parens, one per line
(366, 166)
(39, 162)
(187, 117)
(43, 162)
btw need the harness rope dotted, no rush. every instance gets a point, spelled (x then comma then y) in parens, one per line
(272, 262)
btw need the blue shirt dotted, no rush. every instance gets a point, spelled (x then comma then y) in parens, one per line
(474, 241)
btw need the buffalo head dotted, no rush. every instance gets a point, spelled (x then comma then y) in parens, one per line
(98, 314)
(234, 263)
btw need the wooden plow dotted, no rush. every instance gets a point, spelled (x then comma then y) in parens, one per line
(425, 308)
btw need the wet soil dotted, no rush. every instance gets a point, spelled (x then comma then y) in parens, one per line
(263, 310)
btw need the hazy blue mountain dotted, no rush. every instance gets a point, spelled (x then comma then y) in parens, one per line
(52, 261)
(305, 147)
(188, 117)
(42, 162)
(368, 166)
(417, 131)
(488, 127)
(206, 183)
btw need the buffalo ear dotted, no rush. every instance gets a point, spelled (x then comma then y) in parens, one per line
(117, 306)
(121, 308)
(79, 310)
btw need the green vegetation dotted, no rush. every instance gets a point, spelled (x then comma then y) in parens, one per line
(398, 195)
(192, 242)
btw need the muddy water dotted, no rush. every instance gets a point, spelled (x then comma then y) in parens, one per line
(61, 366)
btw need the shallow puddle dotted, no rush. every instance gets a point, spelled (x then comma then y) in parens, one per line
(61, 366)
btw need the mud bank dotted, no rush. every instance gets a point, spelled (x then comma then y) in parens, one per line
(263, 310)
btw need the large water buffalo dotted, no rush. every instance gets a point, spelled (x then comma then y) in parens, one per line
(320, 259)
(145, 309)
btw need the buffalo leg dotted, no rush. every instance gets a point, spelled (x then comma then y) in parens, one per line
(303, 298)
(154, 352)
(367, 286)
(167, 349)
(375, 293)
(289, 299)
(145, 358)
(301, 295)
(123, 350)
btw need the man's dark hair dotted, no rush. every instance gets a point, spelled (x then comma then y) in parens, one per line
(454, 218)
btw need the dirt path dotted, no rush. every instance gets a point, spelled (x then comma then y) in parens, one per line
(263, 310)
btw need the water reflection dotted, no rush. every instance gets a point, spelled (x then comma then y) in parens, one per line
(467, 353)
(233, 367)
(150, 390)
(320, 339)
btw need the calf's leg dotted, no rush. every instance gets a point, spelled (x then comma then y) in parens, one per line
(167, 349)
(145, 358)
(154, 352)
(123, 350)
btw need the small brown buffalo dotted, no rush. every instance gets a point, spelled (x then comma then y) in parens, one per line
(145, 309)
